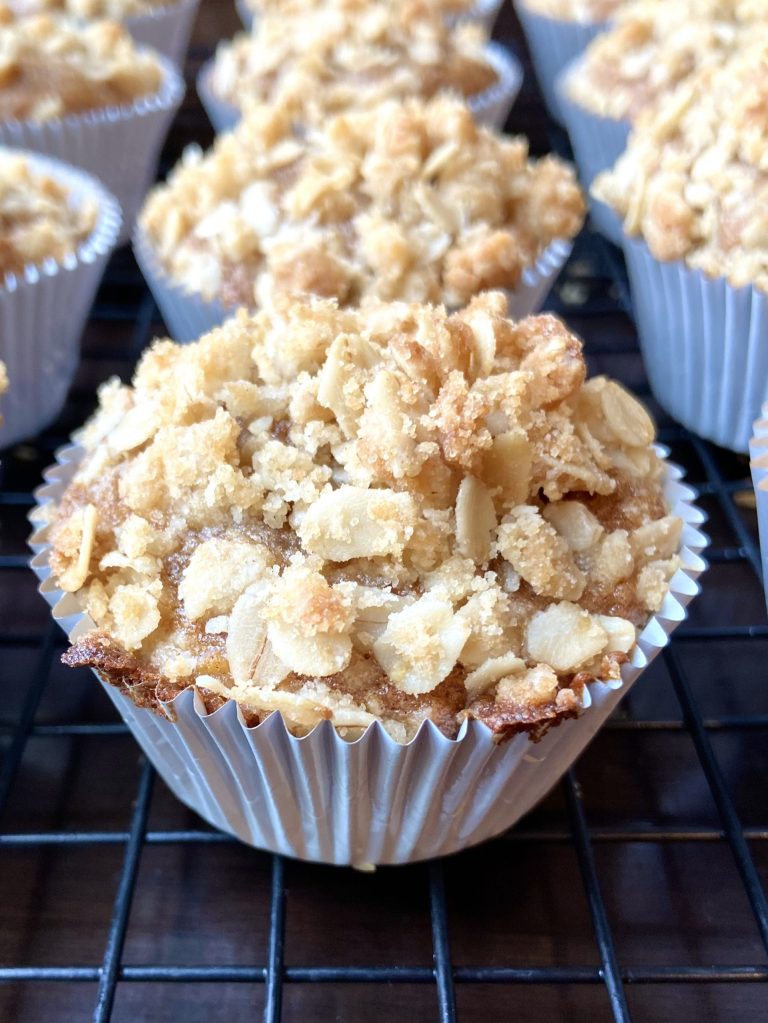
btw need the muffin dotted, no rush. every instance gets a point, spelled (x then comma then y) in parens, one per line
(57, 228)
(409, 201)
(692, 191)
(652, 47)
(483, 12)
(84, 93)
(351, 53)
(427, 533)
(557, 31)
(163, 24)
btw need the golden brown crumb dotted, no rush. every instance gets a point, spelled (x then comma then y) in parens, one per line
(694, 181)
(38, 221)
(291, 514)
(116, 9)
(574, 10)
(325, 59)
(53, 65)
(409, 201)
(656, 44)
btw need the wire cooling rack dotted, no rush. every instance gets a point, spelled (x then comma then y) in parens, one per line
(635, 891)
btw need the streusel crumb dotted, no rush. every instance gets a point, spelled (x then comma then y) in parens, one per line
(407, 201)
(656, 44)
(87, 9)
(354, 515)
(51, 66)
(38, 219)
(350, 53)
(693, 181)
(584, 11)
(442, 7)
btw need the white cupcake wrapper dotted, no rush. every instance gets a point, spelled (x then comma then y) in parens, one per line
(597, 144)
(188, 316)
(43, 310)
(703, 343)
(553, 45)
(758, 455)
(482, 13)
(118, 145)
(490, 107)
(372, 801)
(165, 29)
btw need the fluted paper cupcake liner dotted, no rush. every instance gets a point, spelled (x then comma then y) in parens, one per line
(188, 316)
(490, 107)
(372, 801)
(703, 343)
(553, 45)
(118, 145)
(166, 29)
(758, 455)
(43, 310)
(484, 13)
(597, 144)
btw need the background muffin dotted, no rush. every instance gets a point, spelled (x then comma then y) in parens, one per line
(409, 201)
(693, 188)
(349, 53)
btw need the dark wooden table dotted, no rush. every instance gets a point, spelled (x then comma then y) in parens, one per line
(636, 890)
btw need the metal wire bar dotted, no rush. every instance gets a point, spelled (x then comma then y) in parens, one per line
(725, 807)
(273, 1006)
(110, 967)
(441, 951)
(610, 971)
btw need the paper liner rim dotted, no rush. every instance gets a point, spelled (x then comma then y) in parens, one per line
(653, 637)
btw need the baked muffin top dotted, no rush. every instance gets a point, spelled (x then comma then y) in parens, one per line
(51, 66)
(655, 44)
(694, 178)
(116, 9)
(574, 10)
(38, 219)
(450, 8)
(408, 201)
(329, 58)
(374, 514)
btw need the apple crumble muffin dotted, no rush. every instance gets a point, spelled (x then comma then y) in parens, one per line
(583, 11)
(654, 45)
(38, 220)
(388, 514)
(450, 8)
(694, 179)
(52, 66)
(407, 201)
(350, 53)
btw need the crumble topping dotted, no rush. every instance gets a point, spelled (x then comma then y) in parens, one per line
(584, 11)
(51, 66)
(450, 8)
(410, 201)
(694, 178)
(353, 515)
(85, 9)
(350, 53)
(38, 220)
(654, 45)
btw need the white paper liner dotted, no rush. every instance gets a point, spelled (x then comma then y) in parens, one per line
(490, 107)
(118, 145)
(188, 316)
(372, 801)
(482, 13)
(597, 144)
(758, 454)
(166, 29)
(43, 310)
(553, 45)
(704, 343)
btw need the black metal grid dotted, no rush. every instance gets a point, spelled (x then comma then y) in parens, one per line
(592, 294)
